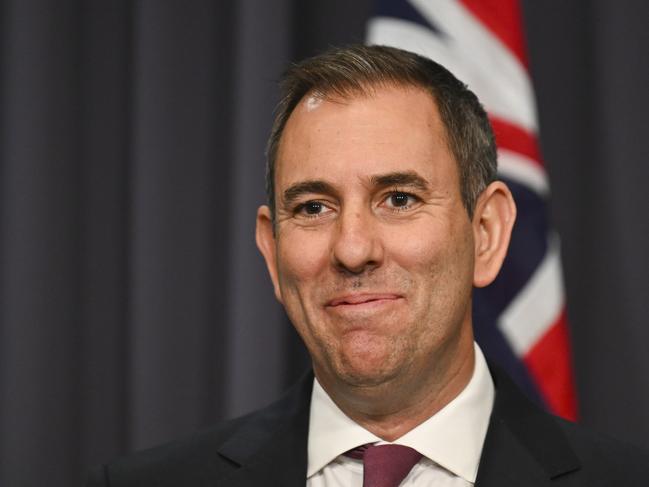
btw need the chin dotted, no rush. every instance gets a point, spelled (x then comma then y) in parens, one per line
(368, 369)
(365, 381)
(363, 360)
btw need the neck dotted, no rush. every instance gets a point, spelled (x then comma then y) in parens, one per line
(392, 409)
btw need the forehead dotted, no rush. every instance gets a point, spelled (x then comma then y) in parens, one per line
(387, 129)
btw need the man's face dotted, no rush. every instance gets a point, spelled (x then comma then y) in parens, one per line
(373, 252)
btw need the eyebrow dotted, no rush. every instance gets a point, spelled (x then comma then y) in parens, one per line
(295, 191)
(407, 178)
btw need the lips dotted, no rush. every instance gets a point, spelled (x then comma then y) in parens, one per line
(363, 298)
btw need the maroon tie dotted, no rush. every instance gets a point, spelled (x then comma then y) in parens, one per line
(385, 465)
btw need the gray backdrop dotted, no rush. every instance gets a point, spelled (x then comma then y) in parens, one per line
(133, 305)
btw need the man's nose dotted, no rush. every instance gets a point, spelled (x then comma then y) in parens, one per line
(357, 245)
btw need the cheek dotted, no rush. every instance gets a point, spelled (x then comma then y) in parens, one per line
(416, 251)
(440, 262)
(301, 257)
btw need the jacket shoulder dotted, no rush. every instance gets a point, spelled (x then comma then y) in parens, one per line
(184, 461)
(211, 456)
(605, 460)
(527, 446)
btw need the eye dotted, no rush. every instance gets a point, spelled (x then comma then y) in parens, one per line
(398, 200)
(312, 209)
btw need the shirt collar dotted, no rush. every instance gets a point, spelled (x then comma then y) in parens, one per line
(452, 438)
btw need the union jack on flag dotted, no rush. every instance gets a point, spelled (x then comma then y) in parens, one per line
(519, 320)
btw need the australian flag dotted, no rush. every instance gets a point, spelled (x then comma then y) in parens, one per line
(520, 320)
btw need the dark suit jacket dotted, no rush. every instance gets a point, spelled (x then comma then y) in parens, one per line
(523, 447)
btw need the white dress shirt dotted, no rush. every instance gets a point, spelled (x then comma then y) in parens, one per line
(450, 441)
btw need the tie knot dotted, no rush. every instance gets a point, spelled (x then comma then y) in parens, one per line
(385, 465)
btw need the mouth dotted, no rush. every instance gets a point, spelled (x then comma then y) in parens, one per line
(363, 299)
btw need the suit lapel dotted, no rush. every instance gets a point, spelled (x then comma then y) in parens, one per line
(271, 448)
(524, 446)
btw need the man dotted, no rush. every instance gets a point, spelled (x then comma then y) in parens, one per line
(383, 212)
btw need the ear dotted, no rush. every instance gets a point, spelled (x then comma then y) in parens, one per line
(493, 220)
(265, 238)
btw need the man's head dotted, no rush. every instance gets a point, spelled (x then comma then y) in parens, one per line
(369, 245)
(358, 69)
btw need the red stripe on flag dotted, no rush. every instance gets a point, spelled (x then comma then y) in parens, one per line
(514, 138)
(503, 18)
(550, 366)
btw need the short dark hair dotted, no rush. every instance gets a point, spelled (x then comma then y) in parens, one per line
(357, 70)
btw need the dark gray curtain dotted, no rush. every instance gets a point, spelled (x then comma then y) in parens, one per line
(133, 305)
